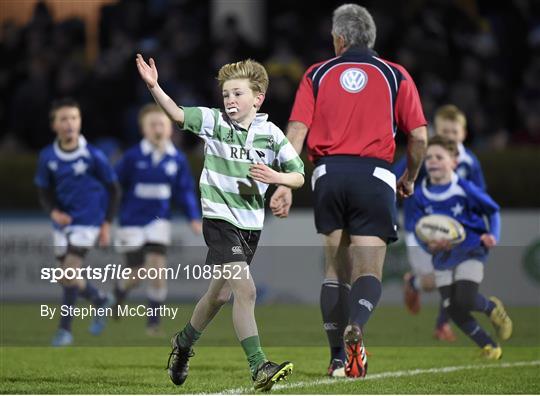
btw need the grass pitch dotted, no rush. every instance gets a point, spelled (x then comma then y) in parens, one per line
(404, 358)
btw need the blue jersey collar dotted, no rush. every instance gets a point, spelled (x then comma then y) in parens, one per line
(147, 148)
(453, 189)
(80, 151)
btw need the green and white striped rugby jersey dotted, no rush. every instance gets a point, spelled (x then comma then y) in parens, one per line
(227, 193)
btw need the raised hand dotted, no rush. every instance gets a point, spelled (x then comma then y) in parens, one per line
(148, 72)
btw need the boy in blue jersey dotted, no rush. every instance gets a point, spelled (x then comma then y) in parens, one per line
(459, 269)
(451, 123)
(79, 190)
(151, 174)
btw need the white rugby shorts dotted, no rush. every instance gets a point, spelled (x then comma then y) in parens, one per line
(78, 236)
(131, 238)
(469, 270)
(419, 259)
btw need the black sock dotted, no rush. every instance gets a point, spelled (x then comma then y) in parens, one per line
(69, 298)
(476, 333)
(442, 317)
(461, 299)
(363, 298)
(334, 303)
(119, 294)
(92, 294)
(153, 318)
(482, 304)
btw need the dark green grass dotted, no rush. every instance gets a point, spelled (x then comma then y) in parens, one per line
(125, 360)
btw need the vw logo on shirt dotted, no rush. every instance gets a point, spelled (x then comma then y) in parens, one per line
(353, 80)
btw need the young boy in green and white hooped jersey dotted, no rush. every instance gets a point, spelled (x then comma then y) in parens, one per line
(239, 145)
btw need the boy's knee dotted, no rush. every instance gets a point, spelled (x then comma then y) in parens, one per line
(223, 298)
(220, 299)
(247, 294)
(428, 282)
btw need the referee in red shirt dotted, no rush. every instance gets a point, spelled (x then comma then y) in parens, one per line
(350, 108)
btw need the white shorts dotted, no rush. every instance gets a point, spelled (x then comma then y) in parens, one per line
(470, 270)
(419, 259)
(131, 238)
(78, 236)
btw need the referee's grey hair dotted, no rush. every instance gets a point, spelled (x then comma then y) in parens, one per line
(355, 24)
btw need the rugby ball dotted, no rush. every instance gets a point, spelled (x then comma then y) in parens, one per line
(438, 227)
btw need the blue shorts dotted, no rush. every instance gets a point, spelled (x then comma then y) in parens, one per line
(355, 194)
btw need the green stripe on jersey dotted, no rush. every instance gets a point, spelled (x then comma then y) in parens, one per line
(294, 165)
(244, 201)
(227, 167)
(192, 119)
(226, 157)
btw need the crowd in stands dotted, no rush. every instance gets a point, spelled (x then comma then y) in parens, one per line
(483, 56)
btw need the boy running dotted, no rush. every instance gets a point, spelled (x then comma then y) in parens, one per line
(459, 269)
(451, 123)
(239, 145)
(78, 189)
(152, 174)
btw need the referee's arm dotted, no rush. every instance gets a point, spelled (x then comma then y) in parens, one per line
(296, 133)
(416, 149)
(281, 200)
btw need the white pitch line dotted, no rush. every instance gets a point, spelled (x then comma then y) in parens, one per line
(387, 374)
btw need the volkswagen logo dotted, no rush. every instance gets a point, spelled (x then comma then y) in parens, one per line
(353, 80)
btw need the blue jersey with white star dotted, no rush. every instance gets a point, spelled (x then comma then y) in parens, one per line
(78, 179)
(468, 168)
(466, 203)
(150, 180)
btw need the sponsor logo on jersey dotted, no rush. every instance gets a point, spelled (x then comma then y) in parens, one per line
(270, 143)
(353, 80)
(240, 153)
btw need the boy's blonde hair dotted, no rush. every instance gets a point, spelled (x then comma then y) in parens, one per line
(452, 113)
(446, 144)
(147, 109)
(248, 69)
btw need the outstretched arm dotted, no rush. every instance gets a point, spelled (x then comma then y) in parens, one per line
(149, 74)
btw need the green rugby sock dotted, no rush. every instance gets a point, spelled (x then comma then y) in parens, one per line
(254, 353)
(188, 336)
